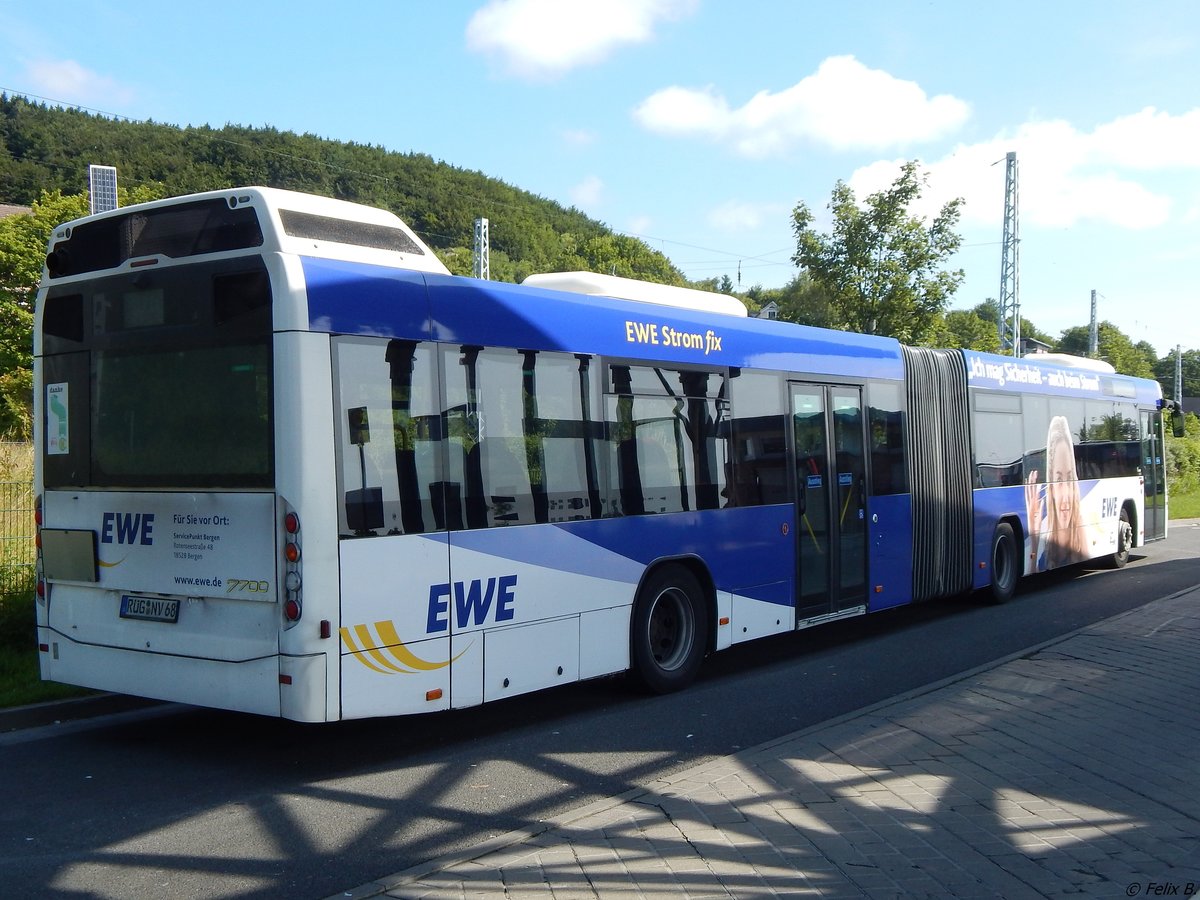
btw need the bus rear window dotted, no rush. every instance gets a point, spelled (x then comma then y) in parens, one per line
(161, 379)
(195, 416)
(190, 229)
(346, 231)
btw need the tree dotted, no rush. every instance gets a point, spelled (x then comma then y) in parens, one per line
(1149, 354)
(1114, 347)
(45, 148)
(967, 329)
(882, 267)
(989, 311)
(1183, 458)
(1164, 371)
(804, 301)
(23, 241)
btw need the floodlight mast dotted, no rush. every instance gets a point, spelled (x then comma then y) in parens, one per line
(1008, 324)
(1093, 332)
(481, 258)
(1179, 376)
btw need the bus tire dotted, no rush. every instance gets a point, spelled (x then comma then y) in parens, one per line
(1124, 541)
(1005, 564)
(670, 630)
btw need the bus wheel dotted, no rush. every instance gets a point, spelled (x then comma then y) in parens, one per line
(670, 630)
(1124, 541)
(1005, 570)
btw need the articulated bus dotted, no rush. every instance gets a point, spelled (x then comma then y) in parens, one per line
(287, 464)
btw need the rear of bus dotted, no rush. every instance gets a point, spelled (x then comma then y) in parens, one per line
(170, 395)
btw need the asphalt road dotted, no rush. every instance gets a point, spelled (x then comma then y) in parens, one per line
(179, 802)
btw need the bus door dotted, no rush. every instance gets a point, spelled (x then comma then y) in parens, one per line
(1154, 473)
(831, 532)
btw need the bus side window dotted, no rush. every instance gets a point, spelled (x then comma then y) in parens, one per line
(390, 471)
(667, 447)
(889, 474)
(520, 437)
(758, 430)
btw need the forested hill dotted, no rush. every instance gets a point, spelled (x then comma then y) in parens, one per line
(45, 148)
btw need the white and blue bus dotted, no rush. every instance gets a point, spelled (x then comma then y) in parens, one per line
(288, 464)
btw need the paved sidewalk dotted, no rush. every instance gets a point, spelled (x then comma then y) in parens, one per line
(1072, 769)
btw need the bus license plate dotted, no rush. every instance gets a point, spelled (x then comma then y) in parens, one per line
(153, 609)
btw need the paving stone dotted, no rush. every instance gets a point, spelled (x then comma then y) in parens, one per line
(1072, 771)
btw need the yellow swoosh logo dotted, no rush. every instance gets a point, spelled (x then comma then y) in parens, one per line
(387, 655)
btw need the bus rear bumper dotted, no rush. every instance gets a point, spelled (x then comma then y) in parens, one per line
(293, 687)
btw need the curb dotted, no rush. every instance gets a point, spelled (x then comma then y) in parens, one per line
(56, 712)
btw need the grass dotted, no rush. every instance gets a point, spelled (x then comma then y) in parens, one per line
(20, 681)
(21, 684)
(1184, 506)
(16, 461)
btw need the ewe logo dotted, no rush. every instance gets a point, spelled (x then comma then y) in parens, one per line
(380, 649)
(384, 652)
(472, 602)
(128, 529)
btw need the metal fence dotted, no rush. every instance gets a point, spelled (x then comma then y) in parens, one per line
(17, 553)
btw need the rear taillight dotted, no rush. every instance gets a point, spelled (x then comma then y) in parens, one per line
(293, 608)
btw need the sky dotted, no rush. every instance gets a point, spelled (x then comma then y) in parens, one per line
(698, 125)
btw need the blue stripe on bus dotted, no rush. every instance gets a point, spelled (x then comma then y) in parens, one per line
(351, 298)
(742, 547)
(493, 313)
(745, 549)
(550, 548)
(356, 298)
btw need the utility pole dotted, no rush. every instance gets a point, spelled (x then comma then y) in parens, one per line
(1179, 376)
(481, 258)
(1093, 332)
(1009, 324)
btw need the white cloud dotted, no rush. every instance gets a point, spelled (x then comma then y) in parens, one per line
(578, 137)
(545, 38)
(739, 215)
(639, 225)
(587, 193)
(843, 105)
(1065, 176)
(1160, 49)
(68, 81)
(1150, 139)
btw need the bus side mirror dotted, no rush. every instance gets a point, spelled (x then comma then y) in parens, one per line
(1176, 412)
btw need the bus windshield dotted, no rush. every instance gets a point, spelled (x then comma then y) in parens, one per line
(160, 379)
